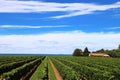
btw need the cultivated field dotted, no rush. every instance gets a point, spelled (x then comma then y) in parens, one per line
(59, 68)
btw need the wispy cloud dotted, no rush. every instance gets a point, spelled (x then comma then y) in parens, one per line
(58, 42)
(113, 28)
(24, 26)
(69, 9)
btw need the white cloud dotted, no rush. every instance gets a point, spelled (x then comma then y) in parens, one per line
(113, 28)
(69, 9)
(22, 26)
(58, 43)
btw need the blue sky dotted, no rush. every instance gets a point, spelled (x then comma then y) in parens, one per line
(58, 26)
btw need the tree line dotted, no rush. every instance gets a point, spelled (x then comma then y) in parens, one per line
(112, 53)
(86, 52)
(79, 52)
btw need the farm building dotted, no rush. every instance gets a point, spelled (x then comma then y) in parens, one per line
(99, 55)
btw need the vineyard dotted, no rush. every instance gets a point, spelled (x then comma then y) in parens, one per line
(59, 68)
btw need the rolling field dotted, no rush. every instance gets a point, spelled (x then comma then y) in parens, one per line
(59, 68)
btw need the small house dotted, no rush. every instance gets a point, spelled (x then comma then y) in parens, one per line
(99, 55)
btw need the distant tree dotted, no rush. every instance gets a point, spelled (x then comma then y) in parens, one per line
(100, 51)
(114, 54)
(77, 52)
(86, 52)
(117, 52)
(119, 47)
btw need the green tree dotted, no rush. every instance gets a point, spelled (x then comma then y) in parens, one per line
(86, 52)
(113, 53)
(119, 47)
(77, 52)
(100, 51)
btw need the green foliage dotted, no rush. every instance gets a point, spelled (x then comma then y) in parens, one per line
(70, 68)
(17, 73)
(77, 52)
(10, 59)
(42, 71)
(51, 72)
(113, 53)
(100, 51)
(66, 72)
(91, 68)
(13, 65)
(86, 52)
(119, 47)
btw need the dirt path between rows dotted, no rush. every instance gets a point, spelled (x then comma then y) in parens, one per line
(57, 74)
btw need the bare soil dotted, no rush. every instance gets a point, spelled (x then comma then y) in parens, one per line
(57, 74)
